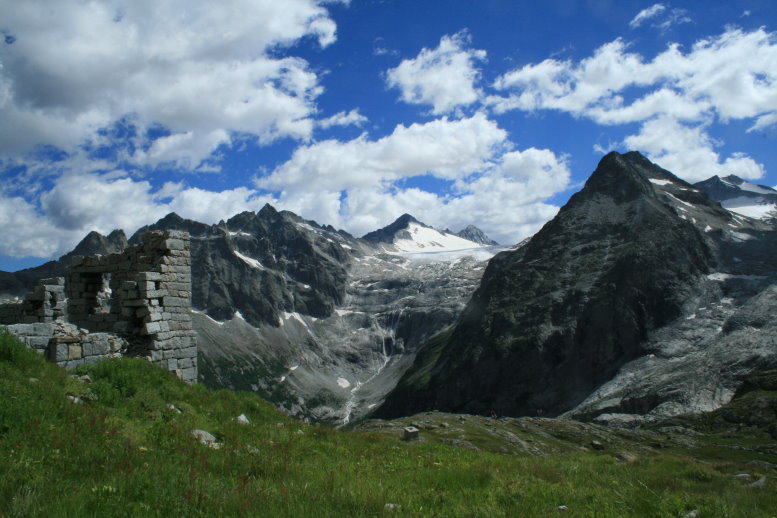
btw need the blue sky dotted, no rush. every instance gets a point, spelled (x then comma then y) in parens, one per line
(492, 112)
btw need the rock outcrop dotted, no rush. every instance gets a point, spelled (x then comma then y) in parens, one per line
(473, 233)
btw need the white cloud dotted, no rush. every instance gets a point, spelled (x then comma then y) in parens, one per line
(81, 202)
(202, 70)
(764, 121)
(25, 232)
(646, 14)
(689, 151)
(507, 201)
(677, 95)
(444, 77)
(352, 117)
(662, 18)
(355, 185)
(729, 76)
(443, 147)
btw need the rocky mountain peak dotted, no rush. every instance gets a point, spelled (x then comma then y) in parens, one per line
(95, 243)
(388, 233)
(473, 233)
(557, 317)
(740, 196)
(622, 177)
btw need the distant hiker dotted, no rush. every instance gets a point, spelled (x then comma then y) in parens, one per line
(493, 414)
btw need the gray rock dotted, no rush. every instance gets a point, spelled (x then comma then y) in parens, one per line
(206, 438)
(761, 482)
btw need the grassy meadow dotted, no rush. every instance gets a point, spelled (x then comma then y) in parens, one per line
(121, 445)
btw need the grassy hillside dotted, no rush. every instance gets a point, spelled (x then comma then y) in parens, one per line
(121, 445)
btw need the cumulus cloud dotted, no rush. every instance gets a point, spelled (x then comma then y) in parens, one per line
(204, 72)
(689, 151)
(729, 76)
(446, 148)
(678, 95)
(81, 202)
(443, 78)
(358, 185)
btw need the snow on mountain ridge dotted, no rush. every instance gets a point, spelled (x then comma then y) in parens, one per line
(425, 239)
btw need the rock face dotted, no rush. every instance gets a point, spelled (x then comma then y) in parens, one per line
(740, 196)
(313, 319)
(613, 279)
(264, 264)
(473, 233)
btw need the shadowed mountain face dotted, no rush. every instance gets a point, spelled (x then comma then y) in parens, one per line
(557, 318)
(263, 264)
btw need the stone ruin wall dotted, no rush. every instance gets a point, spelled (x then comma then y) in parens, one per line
(135, 303)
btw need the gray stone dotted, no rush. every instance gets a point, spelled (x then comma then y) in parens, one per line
(410, 433)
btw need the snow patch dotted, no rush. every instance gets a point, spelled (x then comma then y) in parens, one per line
(659, 182)
(209, 317)
(250, 261)
(751, 187)
(344, 383)
(295, 316)
(741, 236)
(756, 208)
(679, 200)
(425, 239)
(719, 276)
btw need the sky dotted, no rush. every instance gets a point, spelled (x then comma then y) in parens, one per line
(114, 113)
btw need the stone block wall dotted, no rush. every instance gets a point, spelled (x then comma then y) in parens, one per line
(67, 345)
(45, 304)
(137, 302)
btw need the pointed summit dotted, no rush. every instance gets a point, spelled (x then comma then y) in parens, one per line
(473, 233)
(557, 317)
(388, 233)
(95, 243)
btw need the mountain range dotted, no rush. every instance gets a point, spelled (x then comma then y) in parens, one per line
(644, 297)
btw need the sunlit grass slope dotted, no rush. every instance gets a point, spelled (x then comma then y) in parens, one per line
(121, 445)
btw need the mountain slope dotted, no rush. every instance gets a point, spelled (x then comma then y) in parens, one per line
(263, 264)
(740, 196)
(554, 320)
(313, 319)
(407, 235)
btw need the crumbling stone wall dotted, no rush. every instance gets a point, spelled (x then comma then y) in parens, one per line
(45, 304)
(68, 345)
(137, 302)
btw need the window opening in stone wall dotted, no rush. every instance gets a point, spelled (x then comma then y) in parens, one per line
(104, 295)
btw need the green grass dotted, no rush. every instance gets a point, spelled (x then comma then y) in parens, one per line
(123, 452)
